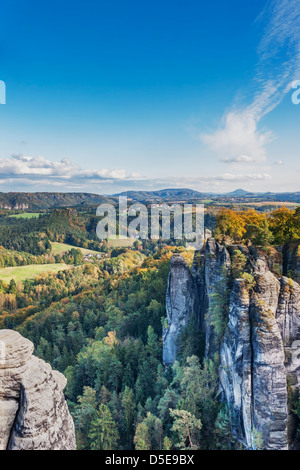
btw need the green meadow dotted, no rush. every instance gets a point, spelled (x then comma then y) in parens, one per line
(60, 248)
(20, 273)
(119, 242)
(28, 215)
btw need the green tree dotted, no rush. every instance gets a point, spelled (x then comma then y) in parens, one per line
(167, 445)
(153, 347)
(186, 428)
(222, 430)
(103, 433)
(141, 437)
(149, 433)
(191, 341)
(85, 413)
(198, 388)
(238, 264)
(128, 405)
(12, 287)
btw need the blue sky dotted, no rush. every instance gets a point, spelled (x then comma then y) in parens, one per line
(108, 96)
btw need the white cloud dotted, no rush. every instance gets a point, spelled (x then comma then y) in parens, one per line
(19, 165)
(239, 159)
(240, 133)
(238, 139)
(225, 177)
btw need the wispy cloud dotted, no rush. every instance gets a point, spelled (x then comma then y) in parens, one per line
(240, 138)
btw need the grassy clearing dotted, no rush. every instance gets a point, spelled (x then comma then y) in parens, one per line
(20, 273)
(60, 248)
(121, 242)
(272, 203)
(28, 215)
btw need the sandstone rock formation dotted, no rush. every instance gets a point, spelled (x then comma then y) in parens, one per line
(217, 263)
(180, 305)
(33, 411)
(260, 349)
(291, 260)
(252, 370)
(191, 292)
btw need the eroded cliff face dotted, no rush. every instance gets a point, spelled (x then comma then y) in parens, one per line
(33, 411)
(260, 349)
(291, 260)
(288, 320)
(180, 305)
(191, 292)
(216, 266)
(252, 369)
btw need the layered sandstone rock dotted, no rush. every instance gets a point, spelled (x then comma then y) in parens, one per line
(259, 353)
(216, 266)
(180, 305)
(33, 411)
(252, 370)
(191, 292)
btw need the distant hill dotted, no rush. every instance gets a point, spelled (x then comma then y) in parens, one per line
(40, 201)
(239, 193)
(44, 201)
(167, 194)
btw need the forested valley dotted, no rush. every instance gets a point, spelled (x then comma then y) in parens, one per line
(100, 323)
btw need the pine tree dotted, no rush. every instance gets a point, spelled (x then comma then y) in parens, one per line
(129, 410)
(85, 413)
(141, 438)
(104, 433)
(187, 429)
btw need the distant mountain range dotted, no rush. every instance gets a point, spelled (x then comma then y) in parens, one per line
(167, 194)
(47, 200)
(190, 194)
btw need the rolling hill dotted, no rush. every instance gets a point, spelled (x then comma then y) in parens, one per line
(44, 201)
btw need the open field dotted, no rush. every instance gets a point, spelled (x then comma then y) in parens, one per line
(121, 242)
(28, 215)
(60, 248)
(20, 273)
(271, 204)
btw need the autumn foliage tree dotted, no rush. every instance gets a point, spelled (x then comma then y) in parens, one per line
(285, 224)
(231, 223)
(280, 226)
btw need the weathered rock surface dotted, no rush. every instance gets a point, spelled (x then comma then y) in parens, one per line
(260, 350)
(180, 305)
(288, 319)
(191, 292)
(269, 387)
(236, 363)
(33, 411)
(217, 264)
(291, 260)
(254, 369)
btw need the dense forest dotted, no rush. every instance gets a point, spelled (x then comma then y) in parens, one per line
(100, 323)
